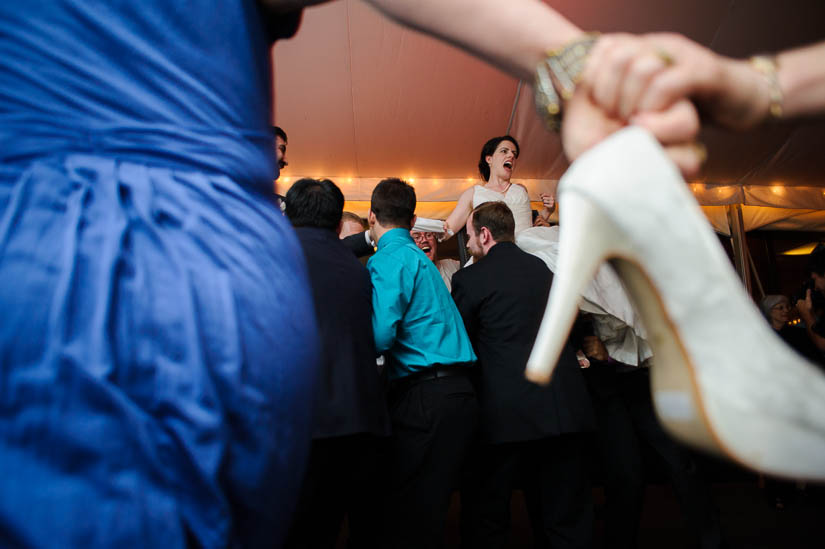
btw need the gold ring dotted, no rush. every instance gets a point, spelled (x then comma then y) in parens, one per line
(665, 57)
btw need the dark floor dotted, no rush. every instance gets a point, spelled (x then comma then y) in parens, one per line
(750, 519)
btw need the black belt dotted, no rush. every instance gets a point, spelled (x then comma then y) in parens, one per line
(436, 371)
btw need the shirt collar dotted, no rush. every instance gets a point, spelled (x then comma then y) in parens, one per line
(501, 246)
(396, 234)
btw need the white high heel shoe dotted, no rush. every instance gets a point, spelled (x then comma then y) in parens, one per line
(722, 380)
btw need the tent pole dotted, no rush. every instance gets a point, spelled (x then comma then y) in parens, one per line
(755, 273)
(737, 237)
(515, 106)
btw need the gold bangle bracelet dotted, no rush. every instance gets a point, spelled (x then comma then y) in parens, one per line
(557, 75)
(768, 67)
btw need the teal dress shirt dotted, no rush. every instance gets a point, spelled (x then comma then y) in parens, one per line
(415, 320)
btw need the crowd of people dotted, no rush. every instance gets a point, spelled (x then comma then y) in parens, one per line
(463, 417)
(164, 343)
(461, 413)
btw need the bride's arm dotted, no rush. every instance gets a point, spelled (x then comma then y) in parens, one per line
(456, 220)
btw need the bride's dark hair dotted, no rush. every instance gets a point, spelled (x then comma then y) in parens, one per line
(488, 149)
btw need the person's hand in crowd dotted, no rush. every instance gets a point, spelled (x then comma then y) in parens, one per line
(549, 203)
(548, 200)
(539, 221)
(805, 309)
(594, 348)
(448, 232)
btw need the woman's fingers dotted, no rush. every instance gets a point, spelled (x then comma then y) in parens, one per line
(677, 124)
(607, 81)
(639, 74)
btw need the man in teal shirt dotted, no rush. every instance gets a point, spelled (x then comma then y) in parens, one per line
(429, 356)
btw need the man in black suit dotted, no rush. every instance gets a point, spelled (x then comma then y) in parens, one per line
(526, 429)
(359, 243)
(351, 414)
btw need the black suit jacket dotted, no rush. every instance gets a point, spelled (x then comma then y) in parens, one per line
(502, 299)
(358, 244)
(350, 397)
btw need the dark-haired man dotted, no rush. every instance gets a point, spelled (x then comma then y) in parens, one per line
(432, 403)
(280, 160)
(350, 407)
(280, 147)
(526, 430)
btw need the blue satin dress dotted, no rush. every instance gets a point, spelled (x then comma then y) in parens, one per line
(157, 337)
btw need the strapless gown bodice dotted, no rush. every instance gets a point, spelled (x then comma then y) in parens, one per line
(515, 197)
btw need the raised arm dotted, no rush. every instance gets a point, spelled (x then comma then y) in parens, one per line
(514, 36)
(628, 74)
(524, 30)
(802, 80)
(456, 220)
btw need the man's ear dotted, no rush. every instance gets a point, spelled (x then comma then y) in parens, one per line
(370, 218)
(485, 236)
(340, 226)
(412, 221)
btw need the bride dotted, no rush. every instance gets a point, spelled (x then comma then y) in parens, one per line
(615, 320)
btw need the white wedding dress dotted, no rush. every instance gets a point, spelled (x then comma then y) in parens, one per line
(615, 321)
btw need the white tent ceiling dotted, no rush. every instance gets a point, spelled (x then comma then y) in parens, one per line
(363, 98)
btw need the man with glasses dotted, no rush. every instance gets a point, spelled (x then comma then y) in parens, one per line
(428, 243)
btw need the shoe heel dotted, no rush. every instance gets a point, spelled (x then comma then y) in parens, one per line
(673, 385)
(586, 239)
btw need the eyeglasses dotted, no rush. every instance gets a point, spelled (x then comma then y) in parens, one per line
(422, 236)
(782, 307)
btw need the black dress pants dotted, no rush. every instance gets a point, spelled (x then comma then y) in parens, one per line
(433, 423)
(345, 475)
(625, 420)
(557, 489)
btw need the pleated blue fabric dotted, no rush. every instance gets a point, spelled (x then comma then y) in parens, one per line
(157, 340)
